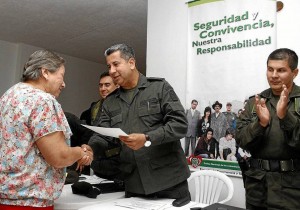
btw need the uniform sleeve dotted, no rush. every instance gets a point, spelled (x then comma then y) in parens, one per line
(98, 142)
(249, 131)
(174, 119)
(47, 117)
(290, 124)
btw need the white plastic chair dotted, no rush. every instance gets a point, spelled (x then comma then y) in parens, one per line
(207, 185)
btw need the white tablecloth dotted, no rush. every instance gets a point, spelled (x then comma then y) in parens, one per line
(138, 204)
(111, 201)
(70, 201)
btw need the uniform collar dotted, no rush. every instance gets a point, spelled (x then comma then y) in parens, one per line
(142, 83)
(295, 93)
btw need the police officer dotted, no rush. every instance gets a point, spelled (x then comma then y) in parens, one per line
(270, 129)
(230, 116)
(152, 159)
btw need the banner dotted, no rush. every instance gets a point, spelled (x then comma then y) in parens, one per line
(229, 42)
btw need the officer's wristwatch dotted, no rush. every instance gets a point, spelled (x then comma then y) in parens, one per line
(148, 141)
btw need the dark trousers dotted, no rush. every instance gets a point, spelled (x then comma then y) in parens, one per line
(251, 207)
(180, 190)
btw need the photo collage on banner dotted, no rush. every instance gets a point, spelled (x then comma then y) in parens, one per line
(228, 45)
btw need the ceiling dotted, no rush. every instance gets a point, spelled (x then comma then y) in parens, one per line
(80, 28)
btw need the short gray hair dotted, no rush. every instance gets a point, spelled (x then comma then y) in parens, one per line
(126, 51)
(41, 59)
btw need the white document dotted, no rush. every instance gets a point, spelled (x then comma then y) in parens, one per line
(113, 132)
(136, 203)
(143, 204)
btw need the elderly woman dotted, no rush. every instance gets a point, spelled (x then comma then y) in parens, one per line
(35, 137)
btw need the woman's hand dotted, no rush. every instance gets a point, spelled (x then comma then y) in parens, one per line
(87, 157)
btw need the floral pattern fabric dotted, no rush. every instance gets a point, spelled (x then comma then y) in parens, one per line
(26, 115)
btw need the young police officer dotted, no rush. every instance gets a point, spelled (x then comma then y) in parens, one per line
(270, 129)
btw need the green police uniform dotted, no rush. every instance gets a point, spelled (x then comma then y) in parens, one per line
(273, 179)
(154, 109)
(231, 119)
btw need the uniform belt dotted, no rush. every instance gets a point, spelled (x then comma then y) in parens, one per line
(276, 165)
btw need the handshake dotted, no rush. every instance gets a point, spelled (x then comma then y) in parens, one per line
(87, 157)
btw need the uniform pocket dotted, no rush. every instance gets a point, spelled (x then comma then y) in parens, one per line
(126, 168)
(291, 180)
(116, 120)
(290, 183)
(150, 112)
(255, 186)
(161, 162)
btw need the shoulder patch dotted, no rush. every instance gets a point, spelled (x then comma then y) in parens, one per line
(173, 95)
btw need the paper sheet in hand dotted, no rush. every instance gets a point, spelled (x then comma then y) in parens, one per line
(113, 132)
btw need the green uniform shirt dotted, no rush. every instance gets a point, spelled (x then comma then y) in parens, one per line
(155, 110)
(280, 140)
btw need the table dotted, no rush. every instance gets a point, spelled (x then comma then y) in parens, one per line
(136, 203)
(221, 206)
(70, 201)
(112, 201)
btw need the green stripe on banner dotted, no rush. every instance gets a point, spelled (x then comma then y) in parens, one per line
(198, 2)
(220, 164)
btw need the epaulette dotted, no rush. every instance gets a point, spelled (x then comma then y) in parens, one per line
(155, 79)
(113, 92)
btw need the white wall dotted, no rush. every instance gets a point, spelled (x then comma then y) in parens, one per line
(288, 28)
(167, 43)
(81, 76)
(82, 82)
(8, 63)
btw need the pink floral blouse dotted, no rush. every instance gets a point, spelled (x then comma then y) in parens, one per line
(27, 114)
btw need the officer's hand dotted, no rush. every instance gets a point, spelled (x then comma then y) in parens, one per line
(281, 107)
(134, 141)
(262, 111)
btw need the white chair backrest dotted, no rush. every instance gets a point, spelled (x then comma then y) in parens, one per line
(208, 185)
